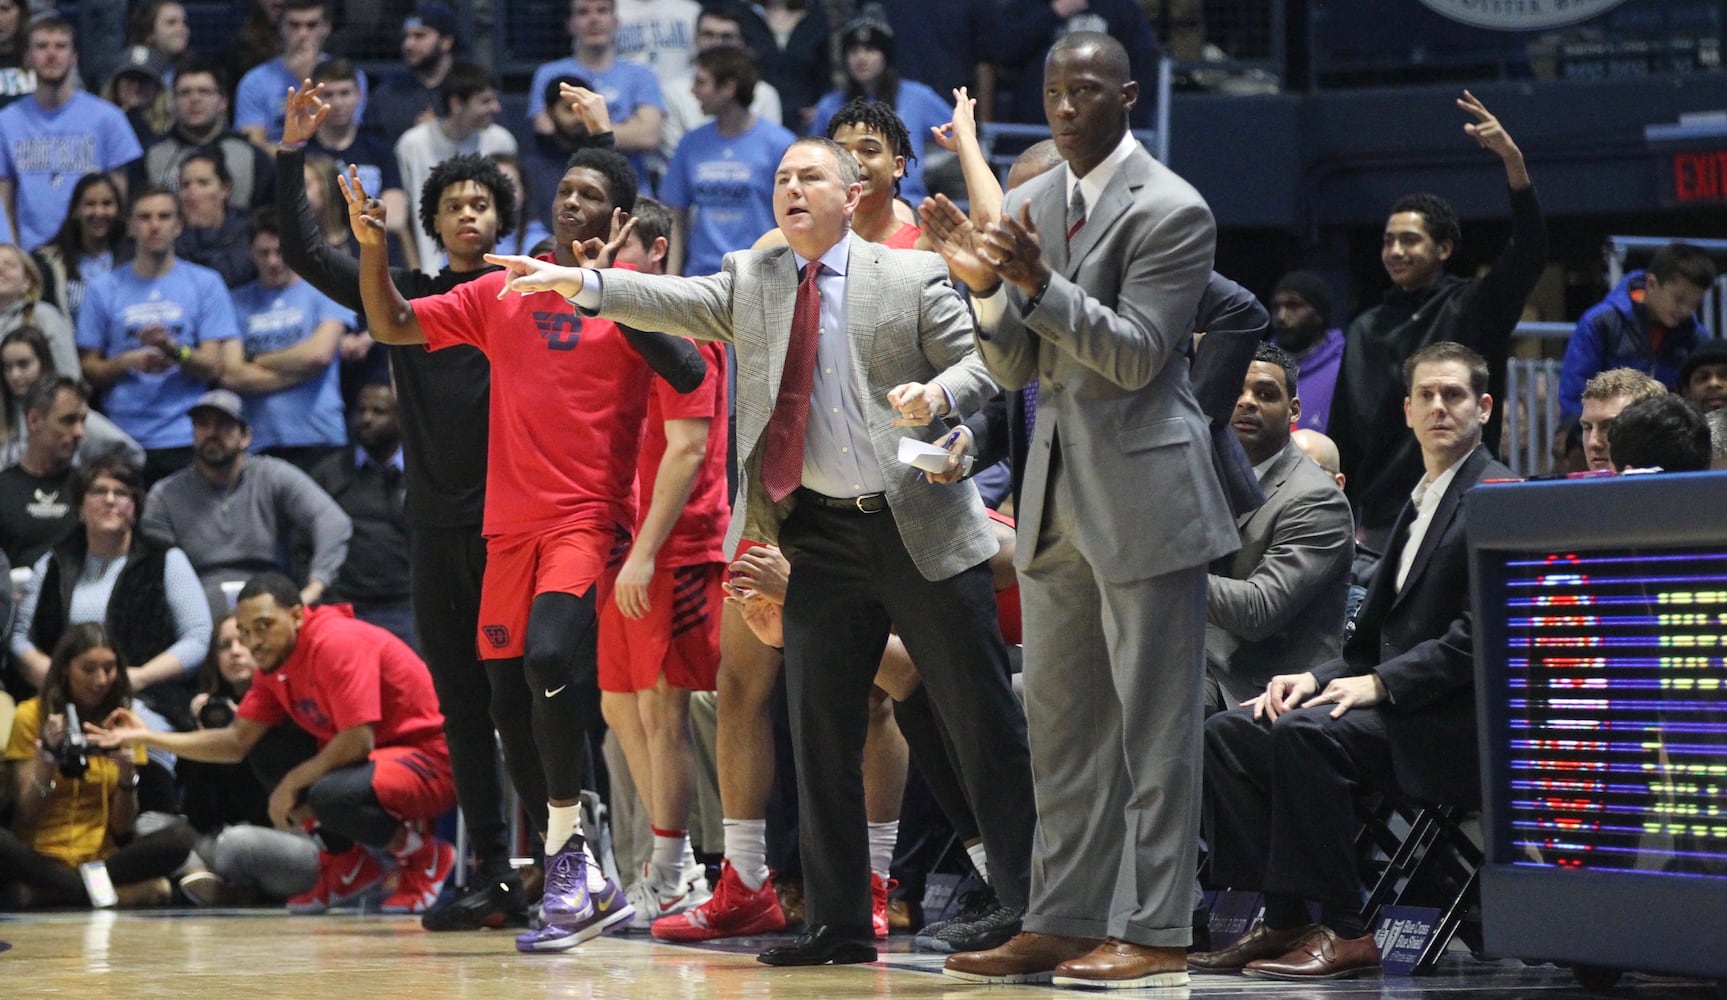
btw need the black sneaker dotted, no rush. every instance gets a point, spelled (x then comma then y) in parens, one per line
(491, 903)
(972, 906)
(992, 930)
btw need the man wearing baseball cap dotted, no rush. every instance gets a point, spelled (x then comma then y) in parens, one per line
(231, 512)
(1703, 376)
(411, 96)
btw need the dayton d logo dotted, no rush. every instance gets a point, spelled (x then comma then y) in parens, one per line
(561, 330)
(497, 635)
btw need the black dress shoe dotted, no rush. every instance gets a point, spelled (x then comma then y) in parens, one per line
(824, 945)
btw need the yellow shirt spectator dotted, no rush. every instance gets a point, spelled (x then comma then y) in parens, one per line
(74, 824)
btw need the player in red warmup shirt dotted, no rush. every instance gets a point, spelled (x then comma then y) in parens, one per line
(568, 399)
(381, 771)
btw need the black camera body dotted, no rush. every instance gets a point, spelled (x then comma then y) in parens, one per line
(73, 753)
(217, 713)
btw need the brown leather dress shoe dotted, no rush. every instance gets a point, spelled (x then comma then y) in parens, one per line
(1321, 955)
(1259, 942)
(1027, 957)
(1123, 965)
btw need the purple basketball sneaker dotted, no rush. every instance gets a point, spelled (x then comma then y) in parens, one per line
(571, 913)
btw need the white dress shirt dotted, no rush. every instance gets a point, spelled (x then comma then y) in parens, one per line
(1425, 497)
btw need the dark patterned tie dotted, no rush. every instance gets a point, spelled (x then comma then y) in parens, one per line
(783, 452)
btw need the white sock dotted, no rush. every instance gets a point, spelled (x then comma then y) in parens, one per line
(979, 860)
(666, 870)
(882, 837)
(747, 850)
(596, 874)
(562, 822)
(411, 843)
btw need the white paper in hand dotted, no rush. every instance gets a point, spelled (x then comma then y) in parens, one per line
(928, 457)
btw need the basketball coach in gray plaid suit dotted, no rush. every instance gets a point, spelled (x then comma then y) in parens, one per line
(843, 347)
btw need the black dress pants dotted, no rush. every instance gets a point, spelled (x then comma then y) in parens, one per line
(1280, 798)
(851, 577)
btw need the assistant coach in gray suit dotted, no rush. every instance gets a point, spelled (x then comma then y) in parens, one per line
(1277, 606)
(1120, 514)
(871, 541)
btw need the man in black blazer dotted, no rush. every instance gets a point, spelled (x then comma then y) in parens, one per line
(1395, 713)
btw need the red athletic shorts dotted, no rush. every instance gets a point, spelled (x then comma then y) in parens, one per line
(679, 636)
(414, 782)
(566, 560)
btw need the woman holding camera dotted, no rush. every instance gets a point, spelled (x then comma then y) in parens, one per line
(74, 804)
(148, 596)
(246, 857)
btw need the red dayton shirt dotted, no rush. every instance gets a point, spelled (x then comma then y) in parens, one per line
(568, 398)
(700, 534)
(345, 673)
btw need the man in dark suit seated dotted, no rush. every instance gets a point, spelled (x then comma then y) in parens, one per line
(1396, 713)
(1276, 606)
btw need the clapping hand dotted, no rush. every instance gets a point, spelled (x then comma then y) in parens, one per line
(1015, 252)
(953, 236)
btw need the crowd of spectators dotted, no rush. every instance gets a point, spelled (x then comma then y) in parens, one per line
(210, 469)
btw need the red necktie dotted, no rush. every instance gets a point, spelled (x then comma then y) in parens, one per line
(783, 452)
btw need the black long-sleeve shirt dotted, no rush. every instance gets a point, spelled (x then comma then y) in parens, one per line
(1379, 454)
(443, 396)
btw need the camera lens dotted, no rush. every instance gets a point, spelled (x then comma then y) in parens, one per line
(217, 713)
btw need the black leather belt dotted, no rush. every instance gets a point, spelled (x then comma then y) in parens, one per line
(869, 503)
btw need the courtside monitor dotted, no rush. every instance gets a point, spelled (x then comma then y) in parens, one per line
(1601, 668)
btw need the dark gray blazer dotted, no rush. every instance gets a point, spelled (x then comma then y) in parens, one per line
(1277, 606)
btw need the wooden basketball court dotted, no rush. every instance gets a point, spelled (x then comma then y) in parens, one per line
(246, 954)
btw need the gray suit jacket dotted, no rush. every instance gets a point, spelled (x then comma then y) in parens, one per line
(906, 324)
(1277, 607)
(1108, 342)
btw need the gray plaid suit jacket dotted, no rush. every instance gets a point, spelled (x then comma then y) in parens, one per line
(1108, 343)
(906, 323)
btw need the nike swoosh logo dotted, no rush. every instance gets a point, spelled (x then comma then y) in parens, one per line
(603, 904)
(353, 873)
(432, 869)
(553, 692)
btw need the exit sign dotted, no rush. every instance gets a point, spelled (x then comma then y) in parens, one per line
(1694, 177)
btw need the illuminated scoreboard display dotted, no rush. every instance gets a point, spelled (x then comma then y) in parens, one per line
(1616, 683)
(1599, 626)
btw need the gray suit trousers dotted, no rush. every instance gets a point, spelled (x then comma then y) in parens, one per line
(1113, 688)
